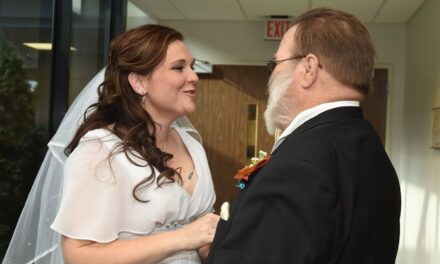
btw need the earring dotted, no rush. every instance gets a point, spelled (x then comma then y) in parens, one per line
(140, 92)
(144, 97)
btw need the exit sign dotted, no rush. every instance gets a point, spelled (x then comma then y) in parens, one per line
(275, 28)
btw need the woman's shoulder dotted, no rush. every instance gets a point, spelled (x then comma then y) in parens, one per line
(96, 143)
(101, 142)
(100, 134)
(98, 148)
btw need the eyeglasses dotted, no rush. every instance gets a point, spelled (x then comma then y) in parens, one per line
(272, 64)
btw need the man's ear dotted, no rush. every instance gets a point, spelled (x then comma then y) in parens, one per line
(311, 67)
(137, 83)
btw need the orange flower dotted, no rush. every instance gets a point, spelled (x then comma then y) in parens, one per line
(243, 174)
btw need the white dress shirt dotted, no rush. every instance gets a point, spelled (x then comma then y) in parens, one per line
(308, 114)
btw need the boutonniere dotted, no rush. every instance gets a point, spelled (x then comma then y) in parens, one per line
(244, 174)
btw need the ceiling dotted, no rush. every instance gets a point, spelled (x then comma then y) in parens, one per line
(368, 11)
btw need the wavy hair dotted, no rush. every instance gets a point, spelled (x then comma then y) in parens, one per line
(139, 50)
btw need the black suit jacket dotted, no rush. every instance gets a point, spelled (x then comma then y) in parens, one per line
(329, 194)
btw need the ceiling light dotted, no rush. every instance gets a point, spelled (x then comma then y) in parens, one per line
(202, 67)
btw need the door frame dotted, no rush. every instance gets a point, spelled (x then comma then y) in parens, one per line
(389, 68)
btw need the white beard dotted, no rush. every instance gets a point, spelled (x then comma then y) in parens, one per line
(278, 108)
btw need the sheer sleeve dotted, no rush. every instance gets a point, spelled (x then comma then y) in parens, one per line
(97, 203)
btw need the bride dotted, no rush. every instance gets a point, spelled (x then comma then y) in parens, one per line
(127, 180)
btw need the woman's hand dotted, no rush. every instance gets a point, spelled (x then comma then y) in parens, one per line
(200, 232)
(204, 251)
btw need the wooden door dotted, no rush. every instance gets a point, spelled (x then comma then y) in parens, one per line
(375, 105)
(223, 100)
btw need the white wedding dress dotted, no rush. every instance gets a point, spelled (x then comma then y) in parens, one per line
(98, 204)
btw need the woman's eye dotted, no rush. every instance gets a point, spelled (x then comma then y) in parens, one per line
(178, 68)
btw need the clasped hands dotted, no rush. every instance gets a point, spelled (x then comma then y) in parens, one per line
(200, 233)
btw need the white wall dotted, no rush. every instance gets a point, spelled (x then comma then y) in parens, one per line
(420, 169)
(390, 43)
(226, 42)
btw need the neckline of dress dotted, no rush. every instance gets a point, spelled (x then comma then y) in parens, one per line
(184, 139)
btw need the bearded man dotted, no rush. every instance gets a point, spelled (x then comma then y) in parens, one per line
(329, 193)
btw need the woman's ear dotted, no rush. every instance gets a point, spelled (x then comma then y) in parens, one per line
(137, 83)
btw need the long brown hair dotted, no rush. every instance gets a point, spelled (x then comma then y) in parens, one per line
(341, 42)
(139, 50)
